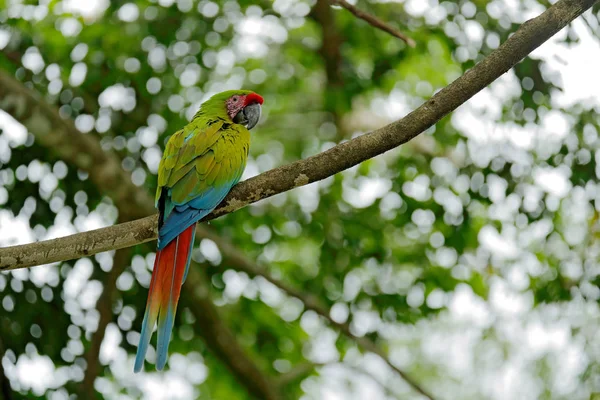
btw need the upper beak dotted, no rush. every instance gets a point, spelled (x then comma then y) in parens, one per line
(248, 116)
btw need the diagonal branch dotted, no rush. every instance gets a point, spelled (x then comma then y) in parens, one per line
(84, 152)
(529, 36)
(374, 21)
(343, 156)
(79, 245)
(146, 229)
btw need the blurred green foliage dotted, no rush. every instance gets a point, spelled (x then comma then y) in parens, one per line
(386, 245)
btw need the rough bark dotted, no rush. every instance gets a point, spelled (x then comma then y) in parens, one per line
(83, 151)
(343, 156)
(104, 167)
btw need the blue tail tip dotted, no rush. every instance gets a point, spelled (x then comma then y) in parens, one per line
(161, 361)
(139, 364)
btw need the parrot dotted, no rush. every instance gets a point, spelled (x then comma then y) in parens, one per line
(200, 165)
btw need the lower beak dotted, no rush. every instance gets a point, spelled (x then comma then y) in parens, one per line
(248, 116)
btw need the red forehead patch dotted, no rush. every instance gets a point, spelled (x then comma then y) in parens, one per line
(253, 98)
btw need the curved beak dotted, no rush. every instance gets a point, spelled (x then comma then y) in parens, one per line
(248, 116)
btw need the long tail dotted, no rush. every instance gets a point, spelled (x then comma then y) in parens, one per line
(170, 270)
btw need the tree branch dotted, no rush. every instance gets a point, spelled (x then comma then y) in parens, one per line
(79, 245)
(374, 21)
(343, 156)
(146, 228)
(84, 152)
(104, 305)
(25, 108)
(221, 340)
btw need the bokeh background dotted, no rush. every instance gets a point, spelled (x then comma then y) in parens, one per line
(469, 255)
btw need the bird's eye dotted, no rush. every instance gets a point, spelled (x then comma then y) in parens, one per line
(235, 99)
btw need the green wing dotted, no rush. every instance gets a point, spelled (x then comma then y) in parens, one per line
(188, 148)
(201, 162)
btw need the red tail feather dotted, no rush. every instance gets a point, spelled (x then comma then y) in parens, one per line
(170, 269)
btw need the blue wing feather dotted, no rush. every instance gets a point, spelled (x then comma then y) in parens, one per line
(184, 215)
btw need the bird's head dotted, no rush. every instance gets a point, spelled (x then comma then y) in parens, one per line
(241, 106)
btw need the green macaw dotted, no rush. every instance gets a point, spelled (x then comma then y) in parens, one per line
(201, 163)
